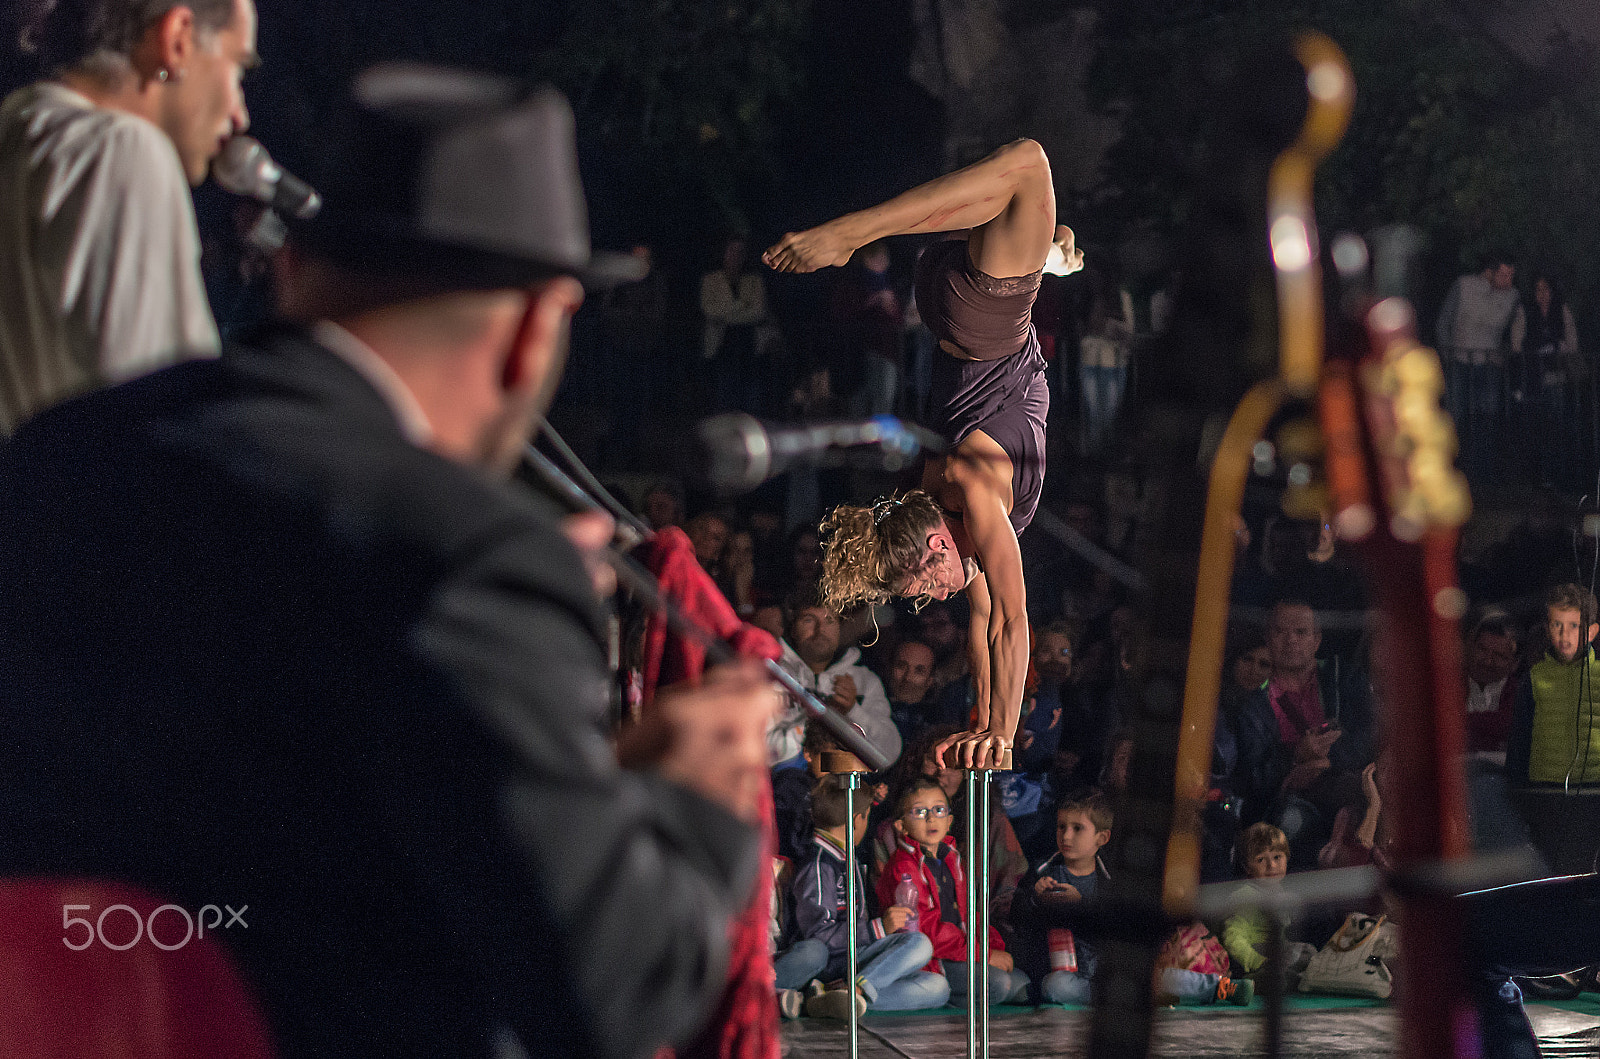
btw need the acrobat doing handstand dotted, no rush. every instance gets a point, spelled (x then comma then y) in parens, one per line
(989, 401)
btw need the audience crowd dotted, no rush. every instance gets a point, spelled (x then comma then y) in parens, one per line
(1297, 769)
(874, 874)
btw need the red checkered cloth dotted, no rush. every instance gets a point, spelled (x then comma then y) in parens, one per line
(744, 1023)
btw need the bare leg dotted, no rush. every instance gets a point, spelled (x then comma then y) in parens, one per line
(1007, 200)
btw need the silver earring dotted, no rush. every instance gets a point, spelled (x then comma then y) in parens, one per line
(161, 74)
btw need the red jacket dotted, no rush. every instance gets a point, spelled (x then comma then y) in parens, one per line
(949, 940)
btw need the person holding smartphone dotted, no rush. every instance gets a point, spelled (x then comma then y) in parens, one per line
(1303, 737)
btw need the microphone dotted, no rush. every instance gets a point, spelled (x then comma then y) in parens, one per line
(736, 452)
(245, 168)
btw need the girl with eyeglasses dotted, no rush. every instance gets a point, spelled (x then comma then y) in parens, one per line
(927, 858)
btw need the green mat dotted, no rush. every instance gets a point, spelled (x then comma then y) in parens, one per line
(1291, 1002)
(997, 1011)
(1313, 1002)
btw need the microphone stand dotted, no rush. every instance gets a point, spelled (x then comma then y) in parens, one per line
(598, 492)
(638, 580)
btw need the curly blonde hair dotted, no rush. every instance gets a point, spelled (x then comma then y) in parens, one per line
(870, 553)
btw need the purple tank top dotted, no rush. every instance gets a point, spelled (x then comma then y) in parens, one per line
(1001, 392)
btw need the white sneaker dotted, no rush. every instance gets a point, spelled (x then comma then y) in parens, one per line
(790, 1001)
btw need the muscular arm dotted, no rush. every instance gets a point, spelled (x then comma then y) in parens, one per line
(981, 471)
(1007, 199)
(978, 651)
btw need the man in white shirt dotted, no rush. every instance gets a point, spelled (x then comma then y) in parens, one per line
(1470, 332)
(733, 300)
(811, 653)
(99, 252)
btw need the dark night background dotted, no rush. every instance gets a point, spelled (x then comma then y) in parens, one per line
(1477, 120)
(700, 116)
(695, 117)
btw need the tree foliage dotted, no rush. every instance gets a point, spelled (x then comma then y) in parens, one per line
(1451, 132)
(674, 98)
(685, 90)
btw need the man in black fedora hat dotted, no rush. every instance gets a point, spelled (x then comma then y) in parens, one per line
(275, 633)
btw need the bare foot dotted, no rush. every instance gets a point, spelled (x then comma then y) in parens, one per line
(1064, 258)
(808, 251)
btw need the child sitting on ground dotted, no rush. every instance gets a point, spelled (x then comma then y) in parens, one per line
(794, 965)
(792, 781)
(1265, 852)
(1075, 873)
(888, 971)
(925, 856)
(1007, 863)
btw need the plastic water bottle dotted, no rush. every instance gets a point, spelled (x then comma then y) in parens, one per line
(906, 895)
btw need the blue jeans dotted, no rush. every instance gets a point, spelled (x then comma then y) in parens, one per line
(800, 962)
(1005, 987)
(1102, 397)
(1472, 390)
(890, 973)
(1071, 987)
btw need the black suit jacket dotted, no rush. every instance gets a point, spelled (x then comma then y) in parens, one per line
(257, 649)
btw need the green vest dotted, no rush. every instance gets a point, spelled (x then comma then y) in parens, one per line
(1566, 738)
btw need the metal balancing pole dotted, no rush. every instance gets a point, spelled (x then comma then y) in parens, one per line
(972, 903)
(842, 762)
(982, 917)
(852, 784)
(977, 914)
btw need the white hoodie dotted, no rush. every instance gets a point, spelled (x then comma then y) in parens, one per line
(871, 711)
